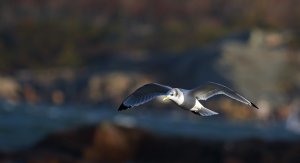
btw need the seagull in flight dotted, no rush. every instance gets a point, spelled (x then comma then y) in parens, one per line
(185, 99)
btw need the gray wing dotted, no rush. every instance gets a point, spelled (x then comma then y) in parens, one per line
(211, 89)
(144, 94)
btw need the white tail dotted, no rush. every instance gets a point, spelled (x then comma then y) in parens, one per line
(205, 112)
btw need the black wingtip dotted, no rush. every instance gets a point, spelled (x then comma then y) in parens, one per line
(254, 105)
(123, 107)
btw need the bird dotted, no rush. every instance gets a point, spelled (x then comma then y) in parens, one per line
(185, 99)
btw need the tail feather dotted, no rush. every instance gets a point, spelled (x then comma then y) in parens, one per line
(204, 112)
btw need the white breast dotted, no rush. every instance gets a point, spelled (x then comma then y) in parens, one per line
(179, 100)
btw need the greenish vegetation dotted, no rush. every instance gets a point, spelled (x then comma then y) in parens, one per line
(45, 34)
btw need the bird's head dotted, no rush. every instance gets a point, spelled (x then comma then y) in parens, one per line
(174, 94)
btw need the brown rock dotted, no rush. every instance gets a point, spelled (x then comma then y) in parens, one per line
(113, 144)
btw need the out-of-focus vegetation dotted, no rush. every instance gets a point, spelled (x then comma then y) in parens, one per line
(35, 34)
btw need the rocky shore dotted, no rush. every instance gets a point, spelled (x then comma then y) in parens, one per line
(112, 143)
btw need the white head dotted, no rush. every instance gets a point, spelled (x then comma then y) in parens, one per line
(175, 95)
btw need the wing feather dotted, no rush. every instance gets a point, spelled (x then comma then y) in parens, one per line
(212, 89)
(144, 94)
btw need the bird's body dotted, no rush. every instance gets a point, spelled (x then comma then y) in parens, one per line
(185, 99)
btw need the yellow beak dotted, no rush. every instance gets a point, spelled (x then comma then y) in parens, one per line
(165, 98)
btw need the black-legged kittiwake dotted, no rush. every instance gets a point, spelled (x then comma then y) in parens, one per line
(186, 99)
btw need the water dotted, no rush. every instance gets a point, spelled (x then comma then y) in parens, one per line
(23, 125)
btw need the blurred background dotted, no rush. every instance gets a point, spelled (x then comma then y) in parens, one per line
(65, 67)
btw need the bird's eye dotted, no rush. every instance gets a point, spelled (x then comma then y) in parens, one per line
(171, 94)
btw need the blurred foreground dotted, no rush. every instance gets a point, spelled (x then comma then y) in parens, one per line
(46, 135)
(111, 143)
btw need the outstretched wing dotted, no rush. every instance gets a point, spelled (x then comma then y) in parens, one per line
(144, 94)
(211, 89)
